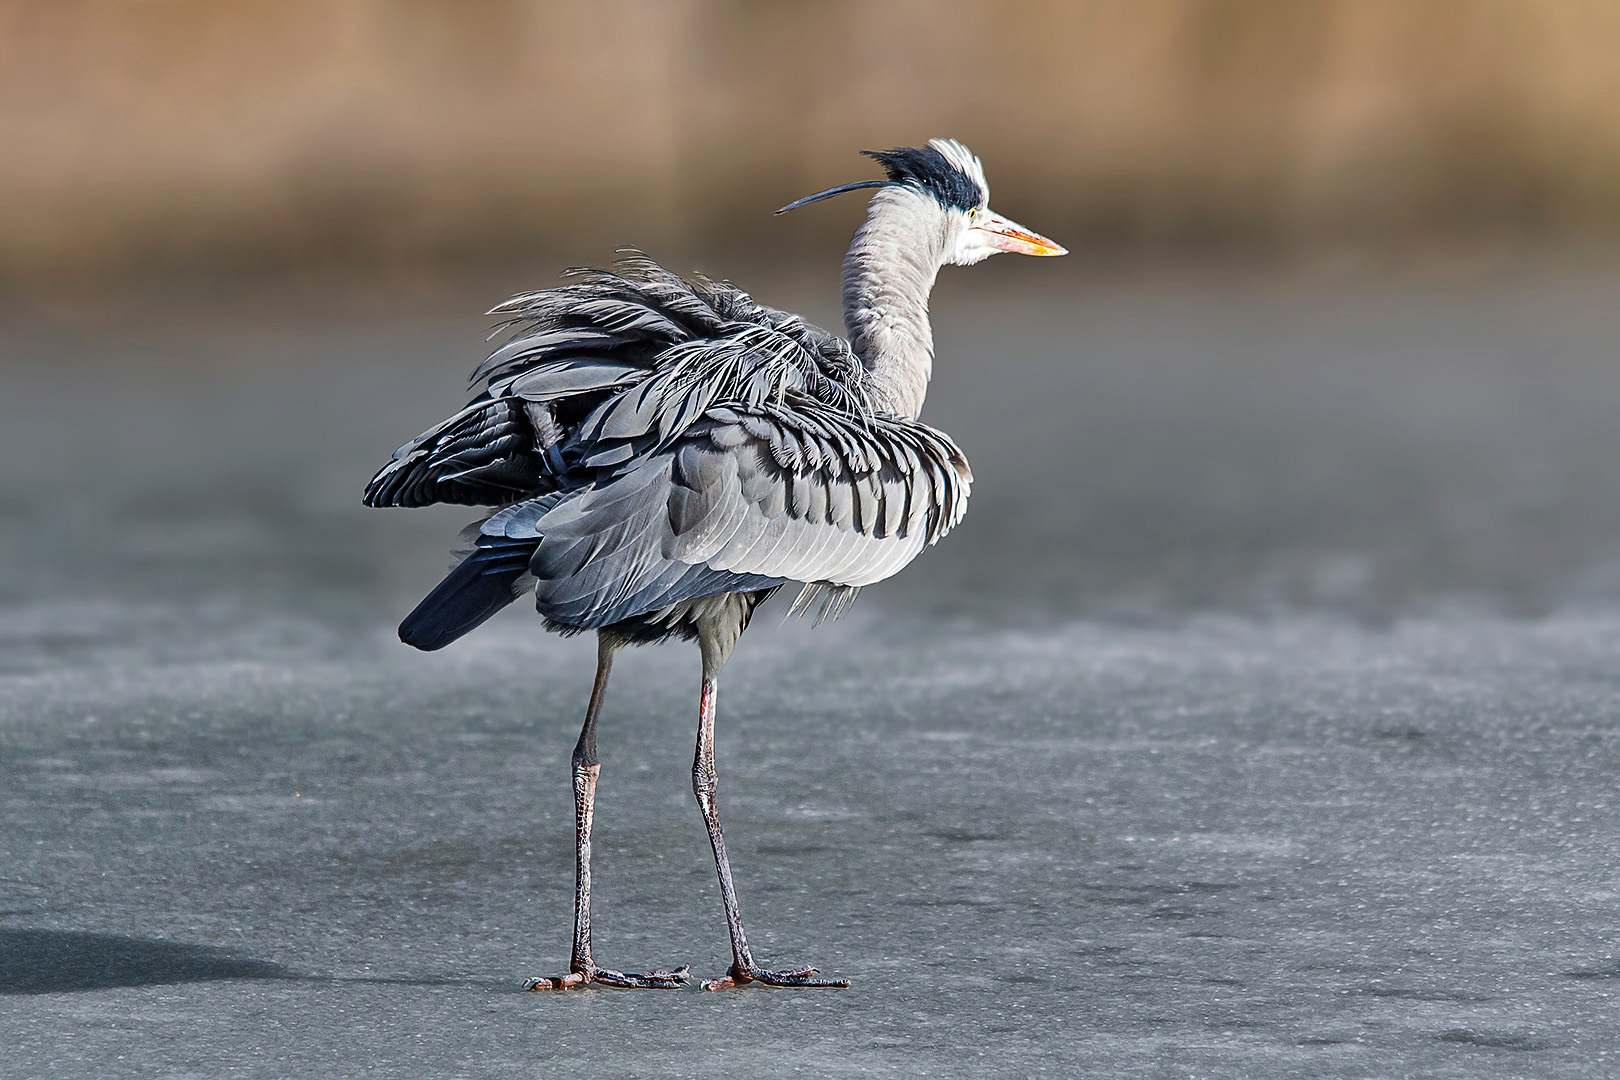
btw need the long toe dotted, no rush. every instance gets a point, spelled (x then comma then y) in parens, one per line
(651, 980)
(798, 977)
(619, 980)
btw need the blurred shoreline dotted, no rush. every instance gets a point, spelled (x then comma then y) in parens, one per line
(805, 279)
(184, 140)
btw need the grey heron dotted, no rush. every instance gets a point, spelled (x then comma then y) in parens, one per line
(665, 454)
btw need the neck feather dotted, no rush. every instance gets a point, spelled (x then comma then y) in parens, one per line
(888, 275)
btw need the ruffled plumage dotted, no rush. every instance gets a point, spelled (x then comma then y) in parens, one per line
(651, 441)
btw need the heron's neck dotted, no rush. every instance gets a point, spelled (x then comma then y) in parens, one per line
(888, 274)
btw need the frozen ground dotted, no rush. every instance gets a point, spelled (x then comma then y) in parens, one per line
(1260, 721)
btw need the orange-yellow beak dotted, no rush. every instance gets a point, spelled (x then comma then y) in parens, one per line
(1008, 235)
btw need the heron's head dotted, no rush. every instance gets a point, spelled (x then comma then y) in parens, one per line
(948, 182)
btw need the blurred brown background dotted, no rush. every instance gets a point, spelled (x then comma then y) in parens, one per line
(285, 135)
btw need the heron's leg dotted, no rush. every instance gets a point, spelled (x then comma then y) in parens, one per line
(705, 783)
(582, 968)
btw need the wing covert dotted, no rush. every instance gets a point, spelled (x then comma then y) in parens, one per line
(749, 497)
(744, 500)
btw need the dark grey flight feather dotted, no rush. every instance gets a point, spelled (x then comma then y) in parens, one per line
(651, 441)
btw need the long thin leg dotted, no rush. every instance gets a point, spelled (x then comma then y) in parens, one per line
(586, 770)
(705, 783)
(582, 968)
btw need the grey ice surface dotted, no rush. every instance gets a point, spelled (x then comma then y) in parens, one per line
(1262, 720)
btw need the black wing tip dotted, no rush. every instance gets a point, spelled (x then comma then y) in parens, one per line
(379, 493)
(378, 496)
(469, 595)
(390, 489)
(418, 636)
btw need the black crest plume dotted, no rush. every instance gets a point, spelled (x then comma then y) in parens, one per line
(930, 171)
(922, 168)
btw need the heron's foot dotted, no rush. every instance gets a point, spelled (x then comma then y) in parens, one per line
(621, 980)
(803, 977)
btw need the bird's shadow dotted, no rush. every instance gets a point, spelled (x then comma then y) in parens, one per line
(64, 961)
(57, 961)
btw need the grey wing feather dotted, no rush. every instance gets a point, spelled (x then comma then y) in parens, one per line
(717, 512)
(610, 369)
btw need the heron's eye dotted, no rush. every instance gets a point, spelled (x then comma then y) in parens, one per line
(973, 213)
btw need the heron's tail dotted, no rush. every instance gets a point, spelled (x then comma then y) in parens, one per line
(488, 579)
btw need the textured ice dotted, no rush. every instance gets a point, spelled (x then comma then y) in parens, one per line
(1267, 727)
(1223, 846)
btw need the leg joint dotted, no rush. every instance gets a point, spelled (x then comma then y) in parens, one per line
(704, 782)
